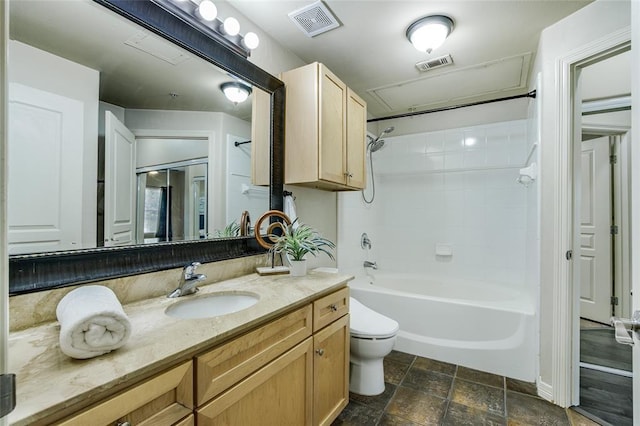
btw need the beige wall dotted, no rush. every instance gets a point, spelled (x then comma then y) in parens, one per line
(559, 40)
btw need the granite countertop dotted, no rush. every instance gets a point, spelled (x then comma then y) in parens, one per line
(49, 381)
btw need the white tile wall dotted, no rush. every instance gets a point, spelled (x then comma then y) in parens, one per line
(456, 187)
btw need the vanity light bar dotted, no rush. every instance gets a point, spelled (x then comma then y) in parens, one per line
(203, 15)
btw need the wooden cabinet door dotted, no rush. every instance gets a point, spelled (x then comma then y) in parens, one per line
(260, 138)
(166, 399)
(278, 394)
(331, 371)
(333, 115)
(356, 140)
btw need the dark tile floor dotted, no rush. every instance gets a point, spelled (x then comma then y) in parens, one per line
(421, 391)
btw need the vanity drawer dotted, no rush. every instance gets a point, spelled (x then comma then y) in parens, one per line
(224, 366)
(330, 308)
(166, 399)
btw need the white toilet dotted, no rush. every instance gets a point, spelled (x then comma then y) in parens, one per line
(372, 338)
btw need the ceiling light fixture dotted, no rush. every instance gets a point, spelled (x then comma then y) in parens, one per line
(203, 15)
(251, 40)
(428, 33)
(208, 10)
(235, 91)
(231, 26)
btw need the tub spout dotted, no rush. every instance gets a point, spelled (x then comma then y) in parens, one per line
(372, 265)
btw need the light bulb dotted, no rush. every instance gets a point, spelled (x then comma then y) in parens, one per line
(251, 40)
(236, 92)
(231, 26)
(428, 33)
(208, 10)
(429, 37)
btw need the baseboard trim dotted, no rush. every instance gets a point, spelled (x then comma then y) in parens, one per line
(545, 390)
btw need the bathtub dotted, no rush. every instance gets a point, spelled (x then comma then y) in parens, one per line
(481, 326)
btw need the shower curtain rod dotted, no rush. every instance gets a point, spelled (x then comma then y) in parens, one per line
(531, 94)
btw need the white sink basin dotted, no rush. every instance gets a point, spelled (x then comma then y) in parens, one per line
(211, 305)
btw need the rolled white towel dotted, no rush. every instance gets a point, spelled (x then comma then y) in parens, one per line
(92, 322)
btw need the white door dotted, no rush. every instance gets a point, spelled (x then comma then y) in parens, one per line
(46, 151)
(595, 232)
(120, 183)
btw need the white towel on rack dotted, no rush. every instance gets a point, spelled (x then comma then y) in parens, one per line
(92, 322)
(290, 209)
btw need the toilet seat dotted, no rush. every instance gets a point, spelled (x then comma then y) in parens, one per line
(369, 324)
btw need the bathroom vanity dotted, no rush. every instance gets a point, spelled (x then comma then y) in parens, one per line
(284, 360)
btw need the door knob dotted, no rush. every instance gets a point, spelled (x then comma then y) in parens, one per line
(625, 327)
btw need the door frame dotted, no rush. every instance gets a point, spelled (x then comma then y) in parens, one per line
(565, 373)
(4, 248)
(215, 168)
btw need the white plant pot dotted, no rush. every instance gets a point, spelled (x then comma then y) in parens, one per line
(298, 268)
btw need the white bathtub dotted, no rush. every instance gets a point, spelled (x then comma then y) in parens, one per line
(481, 326)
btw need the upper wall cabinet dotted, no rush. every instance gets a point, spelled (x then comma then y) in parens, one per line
(325, 130)
(261, 138)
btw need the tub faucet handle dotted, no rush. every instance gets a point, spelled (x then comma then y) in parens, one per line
(372, 265)
(365, 242)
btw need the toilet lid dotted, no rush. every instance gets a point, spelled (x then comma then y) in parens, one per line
(369, 323)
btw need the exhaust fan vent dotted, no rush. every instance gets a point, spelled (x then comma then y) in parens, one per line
(430, 64)
(314, 19)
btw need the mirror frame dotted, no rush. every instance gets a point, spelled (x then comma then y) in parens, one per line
(43, 271)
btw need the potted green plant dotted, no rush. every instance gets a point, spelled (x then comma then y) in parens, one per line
(298, 240)
(231, 230)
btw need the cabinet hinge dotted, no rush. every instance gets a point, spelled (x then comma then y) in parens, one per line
(614, 229)
(7, 393)
(614, 300)
(613, 159)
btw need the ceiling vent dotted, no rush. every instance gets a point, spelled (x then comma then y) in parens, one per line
(314, 19)
(430, 64)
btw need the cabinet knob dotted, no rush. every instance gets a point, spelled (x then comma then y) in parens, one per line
(320, 352)
(333, 307)
(349, 175)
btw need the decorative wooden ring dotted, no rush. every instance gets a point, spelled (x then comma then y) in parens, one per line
(272, 227)
(245, 224)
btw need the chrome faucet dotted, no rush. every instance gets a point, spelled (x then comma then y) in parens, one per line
(372, 265)
(188, 281)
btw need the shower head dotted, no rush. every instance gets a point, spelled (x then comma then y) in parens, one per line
(377, 143)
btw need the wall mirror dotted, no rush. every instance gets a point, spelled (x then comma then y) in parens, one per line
(160, 165)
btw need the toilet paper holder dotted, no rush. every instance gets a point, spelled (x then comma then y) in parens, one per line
(624, 327)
